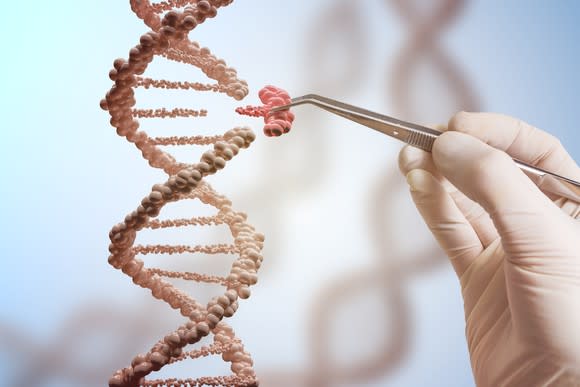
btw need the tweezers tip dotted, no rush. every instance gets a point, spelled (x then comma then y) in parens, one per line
(279, 108)
(295, 101)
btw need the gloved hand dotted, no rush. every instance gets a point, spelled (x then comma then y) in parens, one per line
(516, 251)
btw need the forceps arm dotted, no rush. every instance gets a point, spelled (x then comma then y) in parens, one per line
(412, 134)
(423, 138)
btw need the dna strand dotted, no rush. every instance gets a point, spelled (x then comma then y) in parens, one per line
(393, 268)
(424, 32)
(168, 38)
(388, 277)
(388, 273)
(393, 275)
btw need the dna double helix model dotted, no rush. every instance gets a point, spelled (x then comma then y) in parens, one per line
(170, 23)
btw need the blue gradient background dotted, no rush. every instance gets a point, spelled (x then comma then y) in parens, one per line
(66, 177)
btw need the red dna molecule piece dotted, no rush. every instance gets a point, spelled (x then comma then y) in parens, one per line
(169, 39)
(276, 123)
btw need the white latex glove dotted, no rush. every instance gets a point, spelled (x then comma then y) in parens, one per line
(515, 251)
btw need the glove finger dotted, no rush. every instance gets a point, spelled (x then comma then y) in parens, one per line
(519, 139)
(489, 177)
(414, 158)
(452, 230)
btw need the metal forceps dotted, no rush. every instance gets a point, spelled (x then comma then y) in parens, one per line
(423, 138)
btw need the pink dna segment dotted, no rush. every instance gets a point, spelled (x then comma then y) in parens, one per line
(276, 123)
